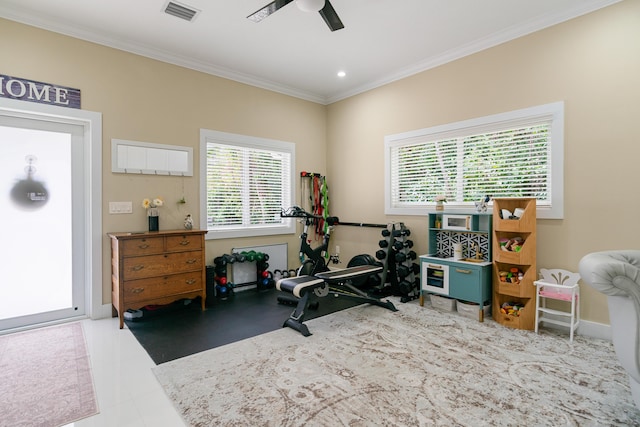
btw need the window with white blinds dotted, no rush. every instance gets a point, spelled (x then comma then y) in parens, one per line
(246, 182)
(515, 154)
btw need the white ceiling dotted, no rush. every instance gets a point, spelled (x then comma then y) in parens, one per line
(294, 52)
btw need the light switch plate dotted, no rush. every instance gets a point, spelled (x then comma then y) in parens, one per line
(120, 207)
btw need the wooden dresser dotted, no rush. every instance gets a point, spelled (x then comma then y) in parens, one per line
(156, 268)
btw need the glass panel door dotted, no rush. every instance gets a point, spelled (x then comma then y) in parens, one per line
(42, 249)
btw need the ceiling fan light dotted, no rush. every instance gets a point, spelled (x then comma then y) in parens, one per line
(310, 5)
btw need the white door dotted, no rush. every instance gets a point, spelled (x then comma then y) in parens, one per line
(42, 212)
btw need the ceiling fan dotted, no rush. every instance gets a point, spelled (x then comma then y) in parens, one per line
(327, 11)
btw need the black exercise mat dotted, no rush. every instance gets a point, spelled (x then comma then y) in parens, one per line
(179, 330)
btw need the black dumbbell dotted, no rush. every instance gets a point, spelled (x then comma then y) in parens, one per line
(386, 233)
(400, 233)
(403, 271)
(405, 286)
(415, 268)
(383, 243)
(399, 245)
(230, 259)
(380, 254)
(374, 280)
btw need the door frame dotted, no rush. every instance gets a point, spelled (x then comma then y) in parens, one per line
(91, 122)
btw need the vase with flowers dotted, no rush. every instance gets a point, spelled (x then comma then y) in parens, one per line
(441, 199)
(153, 214)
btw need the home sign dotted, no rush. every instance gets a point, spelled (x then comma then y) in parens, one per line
(34, 91)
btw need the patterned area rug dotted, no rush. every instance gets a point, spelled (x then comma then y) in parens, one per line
(368, 366)
(45, 377)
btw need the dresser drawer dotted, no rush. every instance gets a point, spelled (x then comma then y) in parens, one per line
(187, 242)
(142, 246)
(145, 289)
(159, 265)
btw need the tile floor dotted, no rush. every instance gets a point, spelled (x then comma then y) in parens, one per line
(128, 393)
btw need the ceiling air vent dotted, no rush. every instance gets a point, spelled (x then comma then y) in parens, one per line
(181, 11)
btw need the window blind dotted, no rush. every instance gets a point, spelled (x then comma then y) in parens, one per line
(246, 186)
(516, 154)
(508, 163)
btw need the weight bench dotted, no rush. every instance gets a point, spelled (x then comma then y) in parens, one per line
(336, 282)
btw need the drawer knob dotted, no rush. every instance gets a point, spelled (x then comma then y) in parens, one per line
(143, 246)
(192, 261)
(138, 267)
(185, 242)
(463, 271)
(190, 281)
(137, 290)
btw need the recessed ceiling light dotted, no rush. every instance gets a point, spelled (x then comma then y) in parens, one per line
(341, 74)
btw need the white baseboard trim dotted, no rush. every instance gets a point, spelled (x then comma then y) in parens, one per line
(594, 330)
(103, 312)
(586, 329)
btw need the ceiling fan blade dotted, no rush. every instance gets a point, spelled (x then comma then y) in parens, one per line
(272, 7)
(330, 16)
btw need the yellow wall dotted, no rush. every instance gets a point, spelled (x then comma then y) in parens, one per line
(591, 63)
(145, 100)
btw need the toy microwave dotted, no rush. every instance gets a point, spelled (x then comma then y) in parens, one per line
(456, 222)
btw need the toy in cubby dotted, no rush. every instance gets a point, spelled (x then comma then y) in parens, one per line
(511, 308)
(511, 245)
(514, 275)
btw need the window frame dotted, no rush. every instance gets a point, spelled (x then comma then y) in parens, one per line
(553, 112)
(243, 141)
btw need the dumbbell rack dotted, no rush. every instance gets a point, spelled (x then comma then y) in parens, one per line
(225, 288)
(399, 273)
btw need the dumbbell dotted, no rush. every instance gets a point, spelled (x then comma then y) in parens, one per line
(240, 257)
(380, 254)
(403, 271)
(415, 268)
(401, 257)
(400, 233)
(374, 280)
(230, 259)
(398, 245)
(405, 286)
(383, 243)
(386, 233)
(250, 256)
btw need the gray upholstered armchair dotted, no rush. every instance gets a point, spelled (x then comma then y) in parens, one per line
(617, 275)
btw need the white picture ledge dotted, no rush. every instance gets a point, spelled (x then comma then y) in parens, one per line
(152, 159)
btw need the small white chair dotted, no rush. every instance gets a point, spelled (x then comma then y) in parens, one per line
(560, 285)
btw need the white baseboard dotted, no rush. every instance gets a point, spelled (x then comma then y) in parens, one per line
(103, 312)
(586, 329)
(594, 330)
